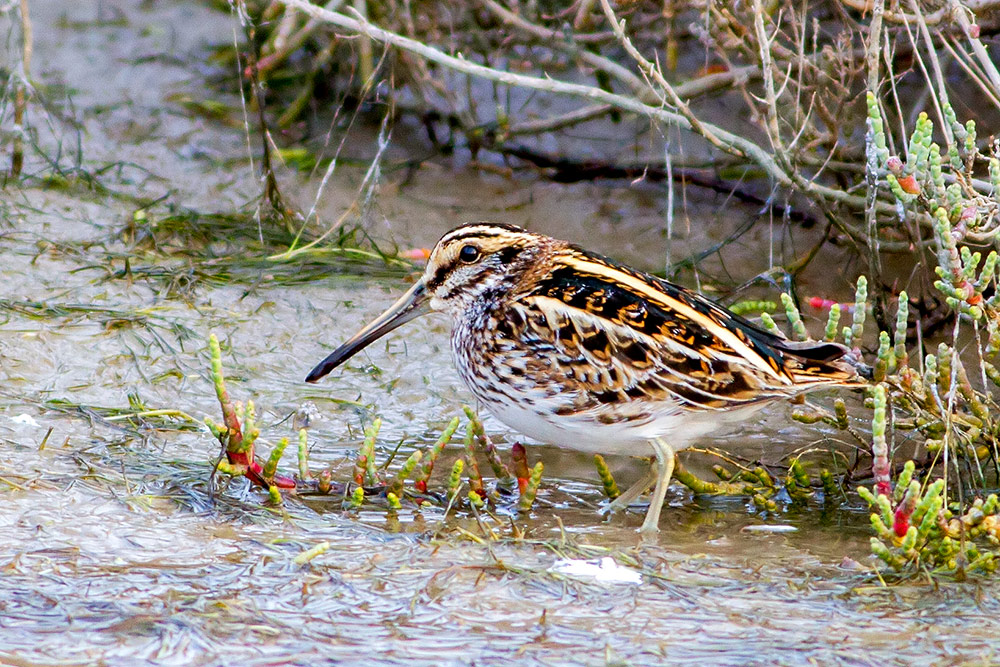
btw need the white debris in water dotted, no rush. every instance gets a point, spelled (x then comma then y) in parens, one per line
(305, 416)
(604, 571)
(766, 528)
(24, 419)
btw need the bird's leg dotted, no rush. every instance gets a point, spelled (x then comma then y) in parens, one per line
(625, 499)
(665, 470)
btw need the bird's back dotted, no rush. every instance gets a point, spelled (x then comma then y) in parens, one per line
(584, 350)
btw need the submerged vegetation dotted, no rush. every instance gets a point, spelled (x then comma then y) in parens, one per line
(238, 433)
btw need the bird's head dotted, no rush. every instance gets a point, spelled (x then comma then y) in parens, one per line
(468, 266)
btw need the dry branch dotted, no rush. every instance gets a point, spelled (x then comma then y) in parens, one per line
(730, 142)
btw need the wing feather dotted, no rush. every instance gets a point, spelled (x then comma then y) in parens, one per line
(614, 335)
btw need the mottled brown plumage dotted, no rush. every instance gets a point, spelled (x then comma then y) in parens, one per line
(572, 349)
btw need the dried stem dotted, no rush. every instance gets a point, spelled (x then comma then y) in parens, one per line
(20, 96)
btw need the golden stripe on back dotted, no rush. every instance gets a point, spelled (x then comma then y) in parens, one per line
(735, 341)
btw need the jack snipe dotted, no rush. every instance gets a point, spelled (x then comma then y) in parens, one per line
(572, 349)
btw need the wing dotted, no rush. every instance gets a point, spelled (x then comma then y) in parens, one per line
(617, 335)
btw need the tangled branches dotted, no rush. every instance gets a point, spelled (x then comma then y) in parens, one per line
(794, 76)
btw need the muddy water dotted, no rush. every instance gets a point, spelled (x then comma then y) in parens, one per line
(112, 549)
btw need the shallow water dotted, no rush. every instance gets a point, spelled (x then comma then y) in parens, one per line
(113, 550)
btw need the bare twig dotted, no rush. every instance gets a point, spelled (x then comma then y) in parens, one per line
(666, 93)
(770, 96)
(20, 96)
(942, 92)
(731, 142)
(558, 41)
(670, 108)
(872, 61)
(942, 15)
(989, 64)
(291, 43)
(561, 121)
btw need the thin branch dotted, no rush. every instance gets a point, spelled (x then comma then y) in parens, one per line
(989, 64)
(961, 57)
(872, 63)
(942, 92)
(653, 71)
(21, 96)
(933, 19)
(770, 98)
(557, 40)
(728, 141)
(561, 121)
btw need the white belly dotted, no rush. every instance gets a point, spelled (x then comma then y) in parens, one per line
(532, 409)
(583, 432)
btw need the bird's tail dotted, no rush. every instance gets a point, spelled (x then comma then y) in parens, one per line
(810, 362)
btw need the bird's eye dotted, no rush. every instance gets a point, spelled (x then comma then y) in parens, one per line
(468, 254)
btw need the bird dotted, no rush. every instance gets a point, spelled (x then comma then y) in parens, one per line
(573, 349)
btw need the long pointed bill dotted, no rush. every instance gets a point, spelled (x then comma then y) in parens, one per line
(412, 304)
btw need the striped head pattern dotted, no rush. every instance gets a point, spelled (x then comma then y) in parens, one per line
(477, 263)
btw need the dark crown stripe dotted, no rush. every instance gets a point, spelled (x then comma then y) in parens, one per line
(482, 230)
(478, 232)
